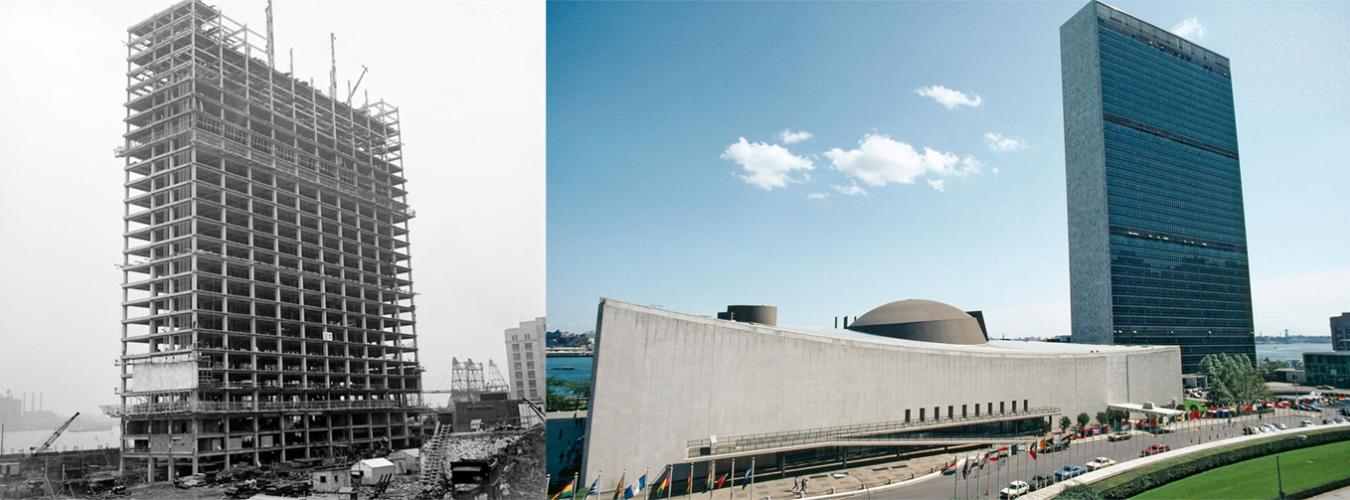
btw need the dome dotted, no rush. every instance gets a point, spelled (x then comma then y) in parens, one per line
(921, 320)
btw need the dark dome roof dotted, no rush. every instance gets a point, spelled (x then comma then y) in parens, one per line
(922, 320)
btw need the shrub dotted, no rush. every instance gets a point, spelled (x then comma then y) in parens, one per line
(1079, 492)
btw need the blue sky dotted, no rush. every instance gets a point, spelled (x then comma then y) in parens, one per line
(650, 199)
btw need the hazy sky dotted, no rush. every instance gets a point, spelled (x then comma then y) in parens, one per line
(467, 75)
(828, 158)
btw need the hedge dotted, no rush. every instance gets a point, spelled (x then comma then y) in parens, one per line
(1138, 481)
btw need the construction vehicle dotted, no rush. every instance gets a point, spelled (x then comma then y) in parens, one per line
(48, 443)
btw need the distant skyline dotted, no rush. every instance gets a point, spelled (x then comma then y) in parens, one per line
(829, 158)
(472, 118)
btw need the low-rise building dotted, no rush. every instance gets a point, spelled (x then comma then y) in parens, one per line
(1328, 368)
(698, 396)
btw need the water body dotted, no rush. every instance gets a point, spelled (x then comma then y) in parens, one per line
(1288, 352)
(571, 369)
(20, 441)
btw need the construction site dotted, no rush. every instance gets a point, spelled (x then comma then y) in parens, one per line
(269, 342)
(268, 312)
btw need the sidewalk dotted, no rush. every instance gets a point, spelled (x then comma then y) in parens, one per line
(877, 477)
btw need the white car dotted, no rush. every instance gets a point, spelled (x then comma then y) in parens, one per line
(1305, 423)
(1015, 489)
(1099, 463)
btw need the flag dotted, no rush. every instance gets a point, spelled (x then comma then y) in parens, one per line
(618, 490)
(566, 490)
(1032, 450)
(627, 493)
(721, 479)
(665, 484)
(595, 487)
(745, 481)
(641, 485)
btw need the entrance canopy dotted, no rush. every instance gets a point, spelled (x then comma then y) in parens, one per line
(1151, 410)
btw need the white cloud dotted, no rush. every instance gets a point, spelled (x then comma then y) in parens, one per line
(850, 190)
(1003, 144)
(1191, 28)
(948, 98)
(937, 184)
(818, 196)
(790, 137)
(879, 160)
(767, 166)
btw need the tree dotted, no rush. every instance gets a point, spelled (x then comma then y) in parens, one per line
(1064, 423)
(1102, 418)
(1232, 380)
(1083, 420)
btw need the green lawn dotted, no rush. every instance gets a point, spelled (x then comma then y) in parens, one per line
(1198, 402)
(1255, 478)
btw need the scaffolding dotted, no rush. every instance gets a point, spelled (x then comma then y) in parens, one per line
(469, 380)
(268, 309)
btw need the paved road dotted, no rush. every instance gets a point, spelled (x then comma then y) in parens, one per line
(993, 478)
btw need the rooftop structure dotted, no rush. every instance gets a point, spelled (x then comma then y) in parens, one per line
(267, 296)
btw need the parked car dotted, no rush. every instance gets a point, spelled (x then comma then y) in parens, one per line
(1069, 471)
(1155, 449)
(1118, 436)
(1339, 420)
(1015, 489)
(1325, 387)
(1281, 425)
(1059, 445)
(1247, 431)
(1305, 423)
(1100, 462)
(1039, 481)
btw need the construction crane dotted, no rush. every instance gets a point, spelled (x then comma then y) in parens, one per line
(48, 443)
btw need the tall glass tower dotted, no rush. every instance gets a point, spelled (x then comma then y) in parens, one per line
(1157, 238)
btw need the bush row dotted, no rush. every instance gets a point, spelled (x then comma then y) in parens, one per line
(1184, 467)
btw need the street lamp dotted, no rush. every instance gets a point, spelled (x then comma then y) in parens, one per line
(1279, 478)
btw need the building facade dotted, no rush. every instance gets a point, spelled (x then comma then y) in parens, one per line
(1340, 332)
(693, 393)
(1157, 238)
(525, 345)
(1327, 368)
(267, 296)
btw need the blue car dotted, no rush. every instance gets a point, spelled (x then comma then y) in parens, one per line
(1069, 471)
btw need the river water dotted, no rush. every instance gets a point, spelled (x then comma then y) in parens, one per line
(20, 441)
(1288, 352)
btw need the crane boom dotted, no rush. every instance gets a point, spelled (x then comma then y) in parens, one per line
(48, 443)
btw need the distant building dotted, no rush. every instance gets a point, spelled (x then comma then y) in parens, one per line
(525, 346)
(1340, 332)
(1157, 233)
(1327, 368)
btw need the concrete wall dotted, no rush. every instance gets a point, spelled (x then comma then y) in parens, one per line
(662, 379)
(164, 376)
(1085, 176)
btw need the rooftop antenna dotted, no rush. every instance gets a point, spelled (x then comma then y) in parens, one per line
(270, 62)
(332, 70)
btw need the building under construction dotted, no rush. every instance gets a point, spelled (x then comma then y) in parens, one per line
(267, 297)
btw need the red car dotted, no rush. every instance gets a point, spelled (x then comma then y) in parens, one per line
(1154, 450)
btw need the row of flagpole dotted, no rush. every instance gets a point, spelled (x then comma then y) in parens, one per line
(1039, 445)
(635, 490)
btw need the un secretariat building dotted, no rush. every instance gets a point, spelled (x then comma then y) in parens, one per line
(1157, 238)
